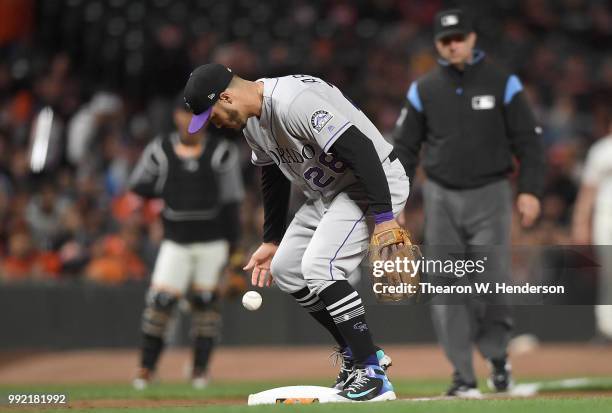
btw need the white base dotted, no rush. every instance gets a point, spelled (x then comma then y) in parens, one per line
(469, 394)
(295, 395)
(524, 390)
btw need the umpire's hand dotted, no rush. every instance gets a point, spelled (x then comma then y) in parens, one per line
(528, 206)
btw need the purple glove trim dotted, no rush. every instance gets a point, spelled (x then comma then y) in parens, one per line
(383, 217)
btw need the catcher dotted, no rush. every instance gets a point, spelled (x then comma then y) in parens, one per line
(198, 178)
(304, 131)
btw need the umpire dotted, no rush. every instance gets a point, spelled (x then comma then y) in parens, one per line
(471, 117)
(198, 178)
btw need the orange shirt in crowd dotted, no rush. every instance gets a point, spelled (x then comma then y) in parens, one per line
(115, 263)
(37, 265)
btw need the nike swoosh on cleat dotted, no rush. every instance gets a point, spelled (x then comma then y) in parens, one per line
(355, 395)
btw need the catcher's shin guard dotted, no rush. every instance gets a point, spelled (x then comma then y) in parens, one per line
(206, 326)
(157, 313)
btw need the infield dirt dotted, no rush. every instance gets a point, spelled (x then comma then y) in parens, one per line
(283, 363)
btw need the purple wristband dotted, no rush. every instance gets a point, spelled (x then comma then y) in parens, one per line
(383, 217)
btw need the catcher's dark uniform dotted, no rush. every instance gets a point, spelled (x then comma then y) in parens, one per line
(470, 124)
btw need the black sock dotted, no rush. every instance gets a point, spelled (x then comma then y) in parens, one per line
(344, 306)
(151, 349)
(315, 307)
(202, 349)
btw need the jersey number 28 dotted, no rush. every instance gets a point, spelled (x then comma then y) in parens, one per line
(317, 174)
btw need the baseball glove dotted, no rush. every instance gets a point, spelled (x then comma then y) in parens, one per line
(394, 284)
(233, 282)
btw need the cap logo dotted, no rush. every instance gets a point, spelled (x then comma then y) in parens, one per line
(449, 20)
(211, 96)
(187, 105)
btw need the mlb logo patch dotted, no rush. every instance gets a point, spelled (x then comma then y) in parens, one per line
(319, 119)
(484, 102)
(449, 20)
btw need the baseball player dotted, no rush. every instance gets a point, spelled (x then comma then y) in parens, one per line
(303, 130)
(592, 223)
(199, 180)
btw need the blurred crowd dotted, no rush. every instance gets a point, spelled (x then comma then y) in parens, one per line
(109, 71)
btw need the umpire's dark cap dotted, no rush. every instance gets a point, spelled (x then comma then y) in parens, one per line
(202, 91)
(451, 22)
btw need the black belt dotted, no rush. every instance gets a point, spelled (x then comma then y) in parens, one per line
(392, 156)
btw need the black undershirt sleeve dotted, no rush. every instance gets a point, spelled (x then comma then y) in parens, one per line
(275, 189)
(358, 152)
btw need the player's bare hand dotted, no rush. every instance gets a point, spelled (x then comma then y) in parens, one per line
(260, 263)
(528, 206)
(387, 252)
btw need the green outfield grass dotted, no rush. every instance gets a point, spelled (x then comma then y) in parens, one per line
(236, 395)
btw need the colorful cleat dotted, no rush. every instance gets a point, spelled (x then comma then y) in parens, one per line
(368, 383)
(384, 360)
(347, 364)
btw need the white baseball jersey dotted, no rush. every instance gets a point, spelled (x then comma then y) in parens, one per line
(301, 118)
(598, 173)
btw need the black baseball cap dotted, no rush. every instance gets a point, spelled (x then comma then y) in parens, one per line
(450, 22)
(202, 91)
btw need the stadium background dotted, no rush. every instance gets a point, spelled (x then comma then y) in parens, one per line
(76, 249)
